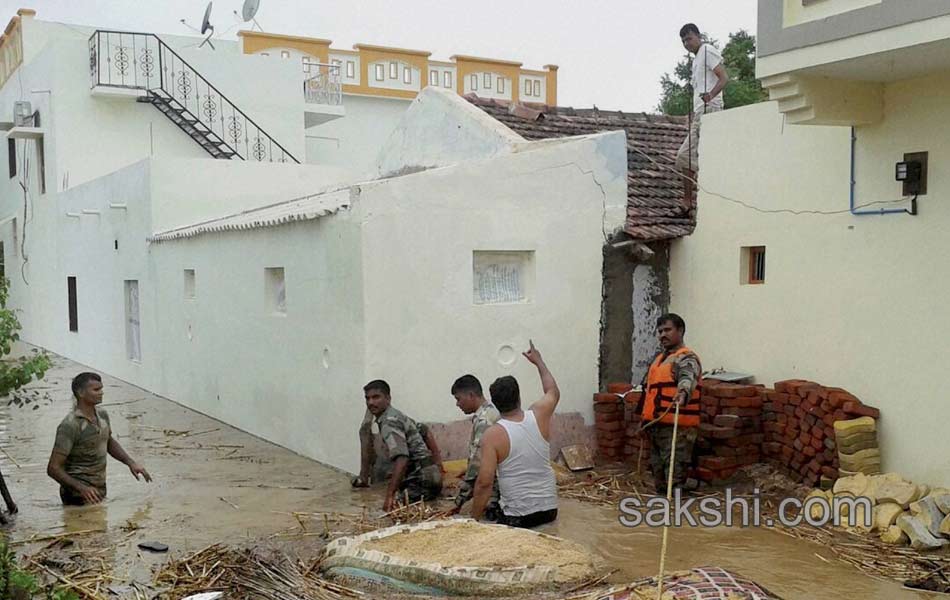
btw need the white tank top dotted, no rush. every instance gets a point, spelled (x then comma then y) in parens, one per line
(525, 478)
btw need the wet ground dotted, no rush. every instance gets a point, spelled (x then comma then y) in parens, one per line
(213, 483)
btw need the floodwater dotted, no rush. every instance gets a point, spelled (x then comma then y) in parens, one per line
(215, 484)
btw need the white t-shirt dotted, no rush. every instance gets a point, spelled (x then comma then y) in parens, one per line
(704, 76)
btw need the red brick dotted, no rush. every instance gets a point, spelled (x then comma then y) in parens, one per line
(782, 418)
(726, 420)
(829, 472)
(840, 415)
(717, 462)
(838, 398)
(742, 412)
(830, 443)
(607, 399)
(728, 390)
(604, 407)
(861, 410)
(610, 426)
(794, 400)
(826, 406)
(828, 419)
(723, 450)
(809, 451)
(610, 443)
(632, 398)
(788, 385)
(619, 388)
(807, 389)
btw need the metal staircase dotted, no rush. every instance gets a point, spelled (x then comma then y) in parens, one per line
(143, 62)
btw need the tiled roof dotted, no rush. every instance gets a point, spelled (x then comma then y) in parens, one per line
(288, 211)
(656, 209)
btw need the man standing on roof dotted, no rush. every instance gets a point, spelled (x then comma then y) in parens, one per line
(708, 80)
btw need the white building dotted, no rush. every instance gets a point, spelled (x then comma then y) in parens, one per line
(170, 226)
(856, 298)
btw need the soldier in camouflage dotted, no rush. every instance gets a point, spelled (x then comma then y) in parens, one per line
(415, 475)
(471, 400)
(686, 373)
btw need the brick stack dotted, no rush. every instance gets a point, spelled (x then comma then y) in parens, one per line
(609, 422)
(799, 418)
(730, 431)
(637, 447)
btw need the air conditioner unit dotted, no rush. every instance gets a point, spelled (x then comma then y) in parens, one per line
(22, 114)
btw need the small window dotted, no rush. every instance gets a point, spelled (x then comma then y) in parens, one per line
(406, 75)
(537, 88)
(380, 72)
(486, 81)
(306, 64)
(189, 284)
(447, 79)
(502, 277)
(284, 54)
(11, 156)
(40, 166)
(433, 78)
(527, 87)
(393, 70)
(350, 69)
(752, 265)
(133, 330)
(276, 292)
(73, 307)
(474, 80)
(501, 85)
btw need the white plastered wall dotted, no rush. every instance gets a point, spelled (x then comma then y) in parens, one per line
(851, 301)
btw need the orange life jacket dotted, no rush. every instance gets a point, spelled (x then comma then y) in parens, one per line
(661, 390)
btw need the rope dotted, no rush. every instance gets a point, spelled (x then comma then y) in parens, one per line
(669, 498)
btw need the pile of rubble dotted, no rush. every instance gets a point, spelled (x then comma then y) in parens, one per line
(902, 512)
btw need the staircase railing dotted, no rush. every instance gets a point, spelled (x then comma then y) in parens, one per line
(142, 61)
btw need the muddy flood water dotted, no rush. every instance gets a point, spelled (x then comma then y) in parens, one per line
(215, 484)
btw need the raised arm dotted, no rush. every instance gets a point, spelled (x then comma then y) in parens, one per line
(543, 408)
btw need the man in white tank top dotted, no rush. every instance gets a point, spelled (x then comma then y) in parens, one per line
(517, 449)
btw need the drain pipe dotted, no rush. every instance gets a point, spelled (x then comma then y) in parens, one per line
(881, 211)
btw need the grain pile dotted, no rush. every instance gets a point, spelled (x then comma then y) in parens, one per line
(474, 545)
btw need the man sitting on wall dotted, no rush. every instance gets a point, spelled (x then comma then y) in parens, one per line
(517, 449)
(415, 475)
(83, 438)
(469, 397)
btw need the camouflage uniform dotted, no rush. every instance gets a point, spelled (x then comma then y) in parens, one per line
(486, 416)
(401, 437)
(686, 371)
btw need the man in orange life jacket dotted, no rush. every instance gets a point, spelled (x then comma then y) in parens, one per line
(674, 377)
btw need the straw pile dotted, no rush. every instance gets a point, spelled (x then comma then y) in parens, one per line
(476, 545)
(245, 574)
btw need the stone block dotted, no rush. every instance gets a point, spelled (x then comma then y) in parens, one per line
(919, 533)
(902, 493)
(895, 535)
(942, 499)
(855, 485)
(885, 515)
(859, 425)
(927, 513)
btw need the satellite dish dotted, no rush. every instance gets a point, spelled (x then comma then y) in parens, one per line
(250, 9)
(207, 27)
(206, 21)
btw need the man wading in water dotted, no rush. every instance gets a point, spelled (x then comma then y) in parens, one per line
(83, 438)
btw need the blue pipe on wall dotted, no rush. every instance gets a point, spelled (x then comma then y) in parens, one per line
(882, 211)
